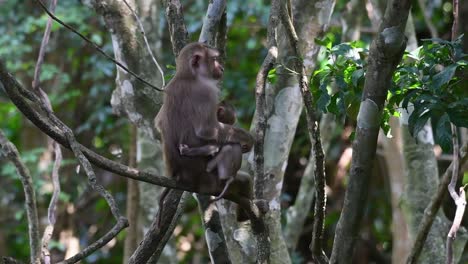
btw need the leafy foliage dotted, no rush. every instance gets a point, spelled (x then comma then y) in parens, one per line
(431, 79)
(428, 83)
(338, 84)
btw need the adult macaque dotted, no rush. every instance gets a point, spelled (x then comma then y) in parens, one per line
(189, 116)
(227, 158)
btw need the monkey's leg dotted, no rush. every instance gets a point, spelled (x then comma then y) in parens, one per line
(221, 195)
(224, 162)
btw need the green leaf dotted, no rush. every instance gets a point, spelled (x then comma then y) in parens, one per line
(413, 125)
(408, 97)
(421, 122)
(272, 76)
(357, 74)
(458, 116)
(444, 133)
(325, 42)
(323, 101)
(443, 77)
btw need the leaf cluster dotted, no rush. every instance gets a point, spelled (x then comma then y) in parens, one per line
(429, 83)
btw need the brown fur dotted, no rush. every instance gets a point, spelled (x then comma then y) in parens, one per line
(228, 157)
(188, 116)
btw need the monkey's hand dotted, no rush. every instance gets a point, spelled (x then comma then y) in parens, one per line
(183, 149)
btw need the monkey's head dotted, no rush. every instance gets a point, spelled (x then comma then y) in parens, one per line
(199, 60)
(226, 113)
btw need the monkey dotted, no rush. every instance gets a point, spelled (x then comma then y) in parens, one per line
(189, 116)
(229, 158)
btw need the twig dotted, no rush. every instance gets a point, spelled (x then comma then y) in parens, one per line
(11, 152)
(52, 210)
(142, 30)
(96, 46)
(314, 135)
(432, 208)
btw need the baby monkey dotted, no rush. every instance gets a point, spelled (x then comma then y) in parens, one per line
(227, 158)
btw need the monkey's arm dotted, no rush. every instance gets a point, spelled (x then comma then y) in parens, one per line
(235, 135)
(206, 150)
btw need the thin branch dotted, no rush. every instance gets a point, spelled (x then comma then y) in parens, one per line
(314, 135)
(428, 19)
(455, 20)
(458, 198)
(260, 178)
(96, 46)
(133, 199)
(432, 208)
(142, 30)
(11, 152)
(52, 210)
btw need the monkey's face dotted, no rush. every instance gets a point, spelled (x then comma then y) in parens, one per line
(206, 64)
(217, 68)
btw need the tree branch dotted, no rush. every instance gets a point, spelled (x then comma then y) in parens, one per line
(432, 208)
(11, 152)
(157, 235)
(386, 51)
(314, 135)
(52, 210)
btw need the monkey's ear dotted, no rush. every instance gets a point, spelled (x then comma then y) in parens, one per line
(195, 60)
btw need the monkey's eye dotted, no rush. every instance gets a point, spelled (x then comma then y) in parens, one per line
(215, 58)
